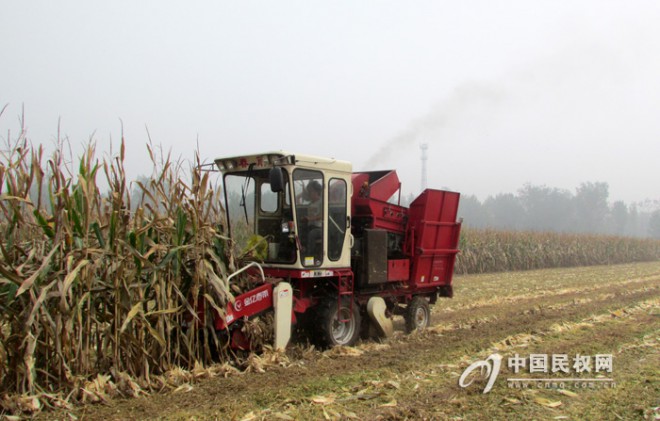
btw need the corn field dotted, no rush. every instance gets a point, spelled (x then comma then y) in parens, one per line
(91, 283)
(498, 251)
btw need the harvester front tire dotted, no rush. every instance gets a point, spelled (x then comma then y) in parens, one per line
(332, 331)
(418, 314)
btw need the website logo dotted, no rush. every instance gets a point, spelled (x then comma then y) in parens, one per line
(490, 368)
(596, 367)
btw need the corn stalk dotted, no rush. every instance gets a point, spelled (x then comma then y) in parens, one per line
(91, 283)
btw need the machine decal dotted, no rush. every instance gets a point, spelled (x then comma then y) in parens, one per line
(248, 301)
(246, 305)
(316, 274)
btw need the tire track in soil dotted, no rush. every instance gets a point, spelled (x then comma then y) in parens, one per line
(619, 336)
(543, 304)
(439, 381)
(230, 397)
(513, 299)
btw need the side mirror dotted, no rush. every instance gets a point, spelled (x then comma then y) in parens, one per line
(276, 178)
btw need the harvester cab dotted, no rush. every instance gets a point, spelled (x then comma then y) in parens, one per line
(337, 256)
(297, 205)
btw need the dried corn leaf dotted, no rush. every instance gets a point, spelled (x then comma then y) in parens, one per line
(250, 416)
(344, 351)
(71, 276)
(568, 393)
(369, 347)
(183, 388)
(45, 264)
(394, 384)
(547, 402)
(177, 376)
(127, 386)
(323, 400)
(131, 314)
(28, 404)
(283, 416)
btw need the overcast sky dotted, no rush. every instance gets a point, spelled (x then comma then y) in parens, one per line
(503, 92)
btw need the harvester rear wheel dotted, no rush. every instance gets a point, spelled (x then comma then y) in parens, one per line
(418, 314)
(334, 332)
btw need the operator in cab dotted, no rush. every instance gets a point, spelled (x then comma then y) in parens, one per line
(314, 218)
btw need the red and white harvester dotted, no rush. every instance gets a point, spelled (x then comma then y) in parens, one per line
(343, 255)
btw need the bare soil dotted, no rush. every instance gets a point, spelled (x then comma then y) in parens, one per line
(611, 310)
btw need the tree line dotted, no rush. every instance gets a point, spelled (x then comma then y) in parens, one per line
(542, 208)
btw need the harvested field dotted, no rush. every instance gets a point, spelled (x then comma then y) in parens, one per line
(600, 310)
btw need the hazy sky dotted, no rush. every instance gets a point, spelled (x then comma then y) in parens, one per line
(504, 92)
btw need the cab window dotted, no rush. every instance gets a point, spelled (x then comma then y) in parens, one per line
(337, 217)
(309, 201)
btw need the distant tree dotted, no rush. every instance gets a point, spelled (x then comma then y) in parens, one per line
(472, 212)
(591, 206)
(546, 209)
(619, 214)
(505, 211)
(542, 208)
(632, 227)
(654, 225)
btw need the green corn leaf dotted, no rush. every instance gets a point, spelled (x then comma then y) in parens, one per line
(99, 235)
(181, 226)
(48, 230)
(113, 229)
(10, 289)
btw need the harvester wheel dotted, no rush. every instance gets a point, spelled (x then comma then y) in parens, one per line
(334, 332)
(418, 314)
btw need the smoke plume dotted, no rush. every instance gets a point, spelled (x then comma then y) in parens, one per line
(462, 100)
